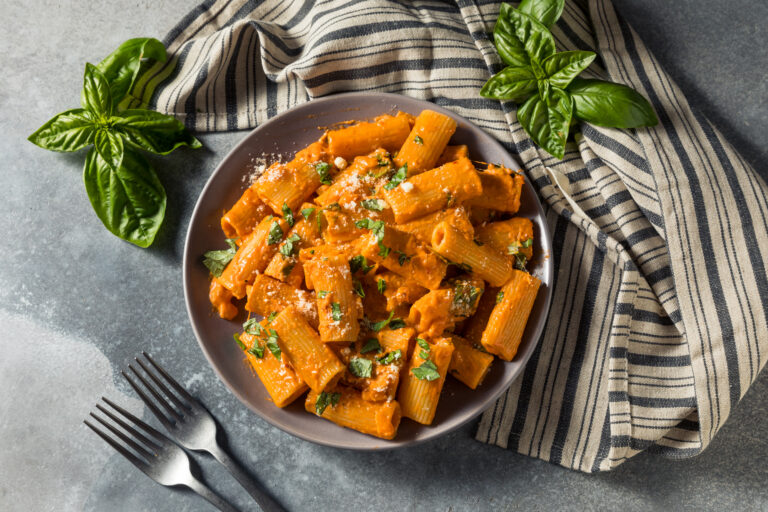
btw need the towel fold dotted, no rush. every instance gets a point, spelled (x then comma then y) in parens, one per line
(660, 303)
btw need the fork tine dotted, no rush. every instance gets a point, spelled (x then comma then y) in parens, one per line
(144, 439)
(158, 396)
(160, 416)
(120, 448)
(136, 421)
(178, 387)
(127, 440)
(181, 405)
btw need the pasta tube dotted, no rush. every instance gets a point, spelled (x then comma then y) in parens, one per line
(444, 187)
(426, 142)
(244, 215)
(346, 407)
(422, 227)
(267, 296)
(312, 360)
(468, 364)
(337, 304)
(221, 299)
(280, 381)
(501, 189)
(482, 260)
(508, 236)
(507, 322)
(418, 395)
(388, 132)
(451, 153)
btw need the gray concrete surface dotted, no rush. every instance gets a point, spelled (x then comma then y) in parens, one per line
(76, 304)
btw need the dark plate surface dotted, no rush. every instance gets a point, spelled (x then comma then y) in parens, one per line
(284, 135)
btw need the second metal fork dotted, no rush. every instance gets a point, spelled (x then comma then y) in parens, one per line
(191, 424)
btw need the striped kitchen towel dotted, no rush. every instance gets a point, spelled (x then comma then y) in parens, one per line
(660, 307)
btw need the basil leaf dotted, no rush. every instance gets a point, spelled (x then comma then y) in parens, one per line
(562, 67)
(400, 175)
(546, 12)
(418, 140)
(236, 337)
(123, 66)
(216, 261)
(271, 317)
(288, 214)
(252, 326)
(272, 344)
(96, 97)
(69, 131)
(520, 262)
(360, 367)
(427, 371)
(360, 263)
(547, 121)
(321, 294)
(336, 311)
(377, 326)
(275, 233)
(527, 242)
(611, 105)
(423, 343)
(325, 399)
(499, 297)
(510, 48)
(130, 200)
(357, 287)
(153, 131)
(306, 212)
(376, 227)
(390, 357)
(381, 285)
(535, 37)
(324, 171)
(257, 350)
(397, 323)
(373, 204)
(370, 345)
(511, 83)
(289, 247)
(109, 145)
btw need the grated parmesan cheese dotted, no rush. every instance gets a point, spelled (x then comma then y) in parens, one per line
(406, 186)
(340, 163)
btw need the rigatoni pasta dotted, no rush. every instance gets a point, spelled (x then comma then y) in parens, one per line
(372, 265)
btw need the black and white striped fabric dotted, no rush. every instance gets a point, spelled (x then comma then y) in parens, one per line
(660, 309)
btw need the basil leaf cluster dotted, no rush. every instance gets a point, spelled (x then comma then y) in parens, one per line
(546, 84)
(122, 186)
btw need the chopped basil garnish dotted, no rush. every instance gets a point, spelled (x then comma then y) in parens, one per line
(288, 214)
(215, 261)
(397, 323)
(520, 261)
(324, 170)
(271, 317)
(400, 175)
(334, 207)
(322, 293)
(237, 339)
(289, 248)
(336, 311)
(307, 212)
(390, 357)
(359, 263)
(275, 233)
(402, 258)
(272, 343)
(256, 350)
(370, 345)
(324, 400)
(513, 248)
(448, 199)
(376, 227)
(464, 297)
(373, 204)
(377, 326)
(383, 250)
(252, 326)
(427, 371)
(357, 287)
(418, 140)
(423, 343)
(381, 285)
(499, 297)
(360, 367)
(527, 242)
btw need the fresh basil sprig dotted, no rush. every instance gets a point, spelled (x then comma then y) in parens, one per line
(546, 84)
(122, 186)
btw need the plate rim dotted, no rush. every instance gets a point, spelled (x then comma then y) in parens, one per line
(188, 258)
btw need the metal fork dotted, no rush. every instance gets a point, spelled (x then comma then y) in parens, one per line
(191, 425)
(154, 454)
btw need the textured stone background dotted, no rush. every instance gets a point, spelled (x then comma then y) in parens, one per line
(76, 304)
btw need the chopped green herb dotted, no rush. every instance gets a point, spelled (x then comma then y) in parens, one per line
(334, 207)
(383, 250)
(287, 269)
(324, 400)
(520, 261)
(307, 212)
(289, 248)
(527, 242)
(322, 293)
(288, 214)
(383, 162)
(402, 258)
(373, 204)
(390, 357)
(376, 227)
(424, 354)
(381, 285)
(257, 350)
(357, 286)
(418, 140)
(423, 343)
(336, 311)
(272, 343)
(271, 317)
(448, 199)
(499, 297)
(216, 261)
(360, 263)
(252, 326)
(360, 367)
(465, 297)
(478, 243)
(324, 170)
(462, 266)
(513, 248)
(427, 371)
(275, 233)
(377, 326)
(237, 339)
(400, 175)
(370, 345)
(397, 323)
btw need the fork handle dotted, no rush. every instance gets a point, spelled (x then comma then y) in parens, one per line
(213, 498)
(265, 501)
